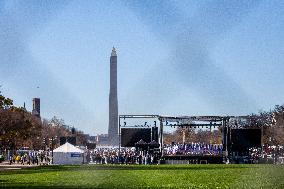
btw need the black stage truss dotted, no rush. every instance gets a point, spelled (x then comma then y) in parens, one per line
(225, 122)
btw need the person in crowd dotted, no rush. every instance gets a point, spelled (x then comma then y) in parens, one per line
(10, 159)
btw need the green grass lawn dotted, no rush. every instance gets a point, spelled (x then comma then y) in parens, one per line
(141, 176)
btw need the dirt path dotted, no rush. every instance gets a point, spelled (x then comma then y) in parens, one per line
(7, 166)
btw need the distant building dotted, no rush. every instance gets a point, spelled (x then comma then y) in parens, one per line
(102, 140)
(113, 138)
(36, 107)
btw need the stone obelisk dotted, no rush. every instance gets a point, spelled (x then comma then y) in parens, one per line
(113, 104)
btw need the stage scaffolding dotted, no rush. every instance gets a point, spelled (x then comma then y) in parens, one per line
(161, 121)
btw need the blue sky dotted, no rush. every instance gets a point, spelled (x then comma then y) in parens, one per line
(174, 57)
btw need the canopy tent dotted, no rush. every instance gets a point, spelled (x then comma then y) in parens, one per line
(68, 154)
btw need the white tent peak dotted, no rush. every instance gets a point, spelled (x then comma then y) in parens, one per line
(67, 147)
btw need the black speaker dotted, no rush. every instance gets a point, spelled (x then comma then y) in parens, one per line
(62, 140)
(243, 139)
(71, 140)
(155, 135)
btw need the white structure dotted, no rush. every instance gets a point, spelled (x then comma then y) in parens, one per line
(67, 154)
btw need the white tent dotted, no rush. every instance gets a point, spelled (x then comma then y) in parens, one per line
(68, 154)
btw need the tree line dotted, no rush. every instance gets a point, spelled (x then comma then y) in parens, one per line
(19, 128)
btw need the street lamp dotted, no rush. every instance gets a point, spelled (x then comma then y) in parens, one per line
(52, 146)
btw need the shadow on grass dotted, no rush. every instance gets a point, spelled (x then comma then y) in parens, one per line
(38, 186)
(59, 168)
(39, 169)
(170, 167)
(64, 187)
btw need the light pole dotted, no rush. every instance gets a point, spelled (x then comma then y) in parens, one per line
(52, 147)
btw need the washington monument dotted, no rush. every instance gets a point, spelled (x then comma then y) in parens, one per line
(113, 104)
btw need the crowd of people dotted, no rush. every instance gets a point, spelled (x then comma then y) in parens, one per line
(267, 154)
(133, 156)
(124, 156)
(30, 158)
(193, 149)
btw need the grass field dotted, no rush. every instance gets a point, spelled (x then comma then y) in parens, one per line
(142, 176)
